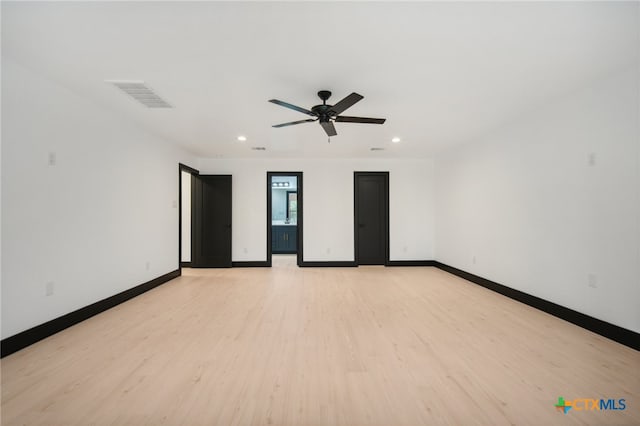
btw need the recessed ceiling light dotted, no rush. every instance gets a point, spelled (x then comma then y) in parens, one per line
(242, 138)
(395, 139)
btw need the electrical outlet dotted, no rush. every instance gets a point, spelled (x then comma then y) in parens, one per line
(49, 288)
(473, 259)
(148, 265)
(328, 250)
(174, 204)
(404, 249)
(52, 159)
(245, 250)
(592, 280)
(592, 159)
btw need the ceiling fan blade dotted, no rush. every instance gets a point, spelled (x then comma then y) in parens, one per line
(293, 107)
(329, 128)
(291, 123)
(346, 103)
(367, 120)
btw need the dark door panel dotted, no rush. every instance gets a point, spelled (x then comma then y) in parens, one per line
(371, 217)
(211, 238)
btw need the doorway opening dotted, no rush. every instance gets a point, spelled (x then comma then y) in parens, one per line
(284, 215)
(185, 181)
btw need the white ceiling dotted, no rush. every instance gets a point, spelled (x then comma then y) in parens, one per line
(441, 73)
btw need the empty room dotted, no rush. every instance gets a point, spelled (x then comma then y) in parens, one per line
(320, 213)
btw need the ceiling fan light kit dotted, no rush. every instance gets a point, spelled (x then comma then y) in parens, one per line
(326, 115)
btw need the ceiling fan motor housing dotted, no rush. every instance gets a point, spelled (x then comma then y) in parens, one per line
(322, 110)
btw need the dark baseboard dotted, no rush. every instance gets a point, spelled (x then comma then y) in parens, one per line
(210, 267)
(28, 337)
(610, 331)
(185, 264)
(411, 263)
(251, 264)
(330, 264)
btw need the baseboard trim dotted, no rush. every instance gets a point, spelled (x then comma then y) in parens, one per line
(329, 264)
(251, 264)
(185, 264)
(28, 337)
(411, 263)
(610, 331)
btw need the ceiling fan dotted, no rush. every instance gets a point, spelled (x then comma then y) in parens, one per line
(327, 114)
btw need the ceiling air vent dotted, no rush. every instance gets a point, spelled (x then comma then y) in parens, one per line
(141, 93)
(258, 148)
(376, 149)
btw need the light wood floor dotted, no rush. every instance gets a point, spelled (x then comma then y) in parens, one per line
(319, 346)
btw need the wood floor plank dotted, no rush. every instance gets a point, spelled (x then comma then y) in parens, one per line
(319, 346)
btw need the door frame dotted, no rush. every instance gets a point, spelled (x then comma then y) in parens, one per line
(355, 214)
(192, 172)
(291, 192)
(299, 226)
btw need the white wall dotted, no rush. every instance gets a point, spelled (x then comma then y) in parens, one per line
(328, 205)
(102, 220)
(186, 217)
(550, 203)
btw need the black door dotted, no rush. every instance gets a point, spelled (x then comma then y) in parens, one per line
(372, 217)
(211, 221)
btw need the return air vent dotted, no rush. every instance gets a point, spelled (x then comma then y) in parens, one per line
(141, 93)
